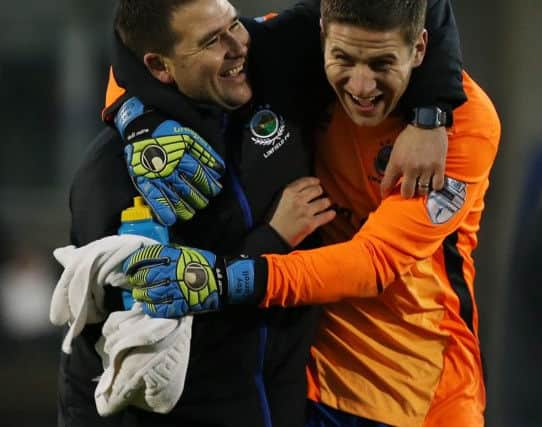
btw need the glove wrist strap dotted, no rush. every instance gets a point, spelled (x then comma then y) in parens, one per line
(239, 286)
(127, 113)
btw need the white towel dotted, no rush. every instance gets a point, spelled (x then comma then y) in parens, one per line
(145, 361)
(78, 298)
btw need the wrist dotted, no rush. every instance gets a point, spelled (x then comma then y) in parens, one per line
(238, 281)
(430, 117)
(287, 242)
(130, 110)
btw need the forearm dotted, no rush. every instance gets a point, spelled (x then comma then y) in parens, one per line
(319, 276)
(384, 249)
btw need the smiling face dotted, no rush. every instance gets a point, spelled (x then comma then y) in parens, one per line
(208, 63)
(369, 70)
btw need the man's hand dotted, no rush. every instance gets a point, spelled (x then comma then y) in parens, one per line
(172, 281)
(419, 155)
(301, 210)
(173, 168)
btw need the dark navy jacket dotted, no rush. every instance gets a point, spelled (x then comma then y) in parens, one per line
(246, 365)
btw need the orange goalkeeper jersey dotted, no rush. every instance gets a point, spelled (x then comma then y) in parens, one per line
(401, 347)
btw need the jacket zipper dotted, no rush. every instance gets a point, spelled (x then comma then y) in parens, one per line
(262, 341)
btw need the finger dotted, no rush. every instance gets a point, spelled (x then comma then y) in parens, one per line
(438, 179)
(143, 277)
(159, 293)
(319, 205)
(325, 217)
(423, 186)
(159, 203)
(302, 183)
(154, 277)
(408, 186)
(212, 185)
(390, 179)
(180, 188)
(310, 193)
(201, 177)
(201, 150)
(182, 208)
(170, 310)
(142, 257)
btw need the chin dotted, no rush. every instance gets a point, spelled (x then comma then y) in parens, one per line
(240, 98)
(365, 121)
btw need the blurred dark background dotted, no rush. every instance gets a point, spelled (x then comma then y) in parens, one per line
(53, 69)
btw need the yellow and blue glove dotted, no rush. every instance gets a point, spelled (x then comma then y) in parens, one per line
(172, 281)
(172, 167)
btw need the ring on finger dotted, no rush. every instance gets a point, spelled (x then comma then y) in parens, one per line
(423, 186)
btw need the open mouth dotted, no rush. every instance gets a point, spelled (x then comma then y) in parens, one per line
(233, 72)
(366, 103)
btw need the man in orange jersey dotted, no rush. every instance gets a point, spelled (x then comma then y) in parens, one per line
(398, 344)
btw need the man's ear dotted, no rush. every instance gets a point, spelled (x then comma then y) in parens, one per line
(158, 67)
(420, 48)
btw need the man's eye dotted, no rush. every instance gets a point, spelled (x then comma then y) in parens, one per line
(211, 42)
(381, 66)
(236, 25)
(343, 59)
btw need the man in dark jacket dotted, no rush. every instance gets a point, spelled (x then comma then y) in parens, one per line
(191, 64)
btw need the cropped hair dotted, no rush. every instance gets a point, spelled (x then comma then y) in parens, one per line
(378, 15)
(145, 25)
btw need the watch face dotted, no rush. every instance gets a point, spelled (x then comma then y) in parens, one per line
(429, 117)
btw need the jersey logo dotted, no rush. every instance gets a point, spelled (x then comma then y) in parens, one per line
(444, 204)
(268, 129)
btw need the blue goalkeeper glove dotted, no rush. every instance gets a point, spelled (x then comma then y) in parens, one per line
(172, 281)
(172, 167)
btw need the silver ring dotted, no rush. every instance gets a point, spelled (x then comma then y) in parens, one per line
(425, 186)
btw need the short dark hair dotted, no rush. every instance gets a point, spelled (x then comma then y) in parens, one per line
(378, 15)
(145, 25)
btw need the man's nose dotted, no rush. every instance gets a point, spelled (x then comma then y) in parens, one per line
(362, 81)
(237, 45)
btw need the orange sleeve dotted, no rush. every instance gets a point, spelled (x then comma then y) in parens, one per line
(397, 234)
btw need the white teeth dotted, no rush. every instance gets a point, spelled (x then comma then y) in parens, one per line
(234, 71)
(364, 100)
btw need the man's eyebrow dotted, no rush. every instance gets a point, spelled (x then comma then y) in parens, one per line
(337, 49)
(208, 36)
(385, 57)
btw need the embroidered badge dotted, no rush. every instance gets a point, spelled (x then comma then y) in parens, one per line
(444, 204)
(268, 129)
